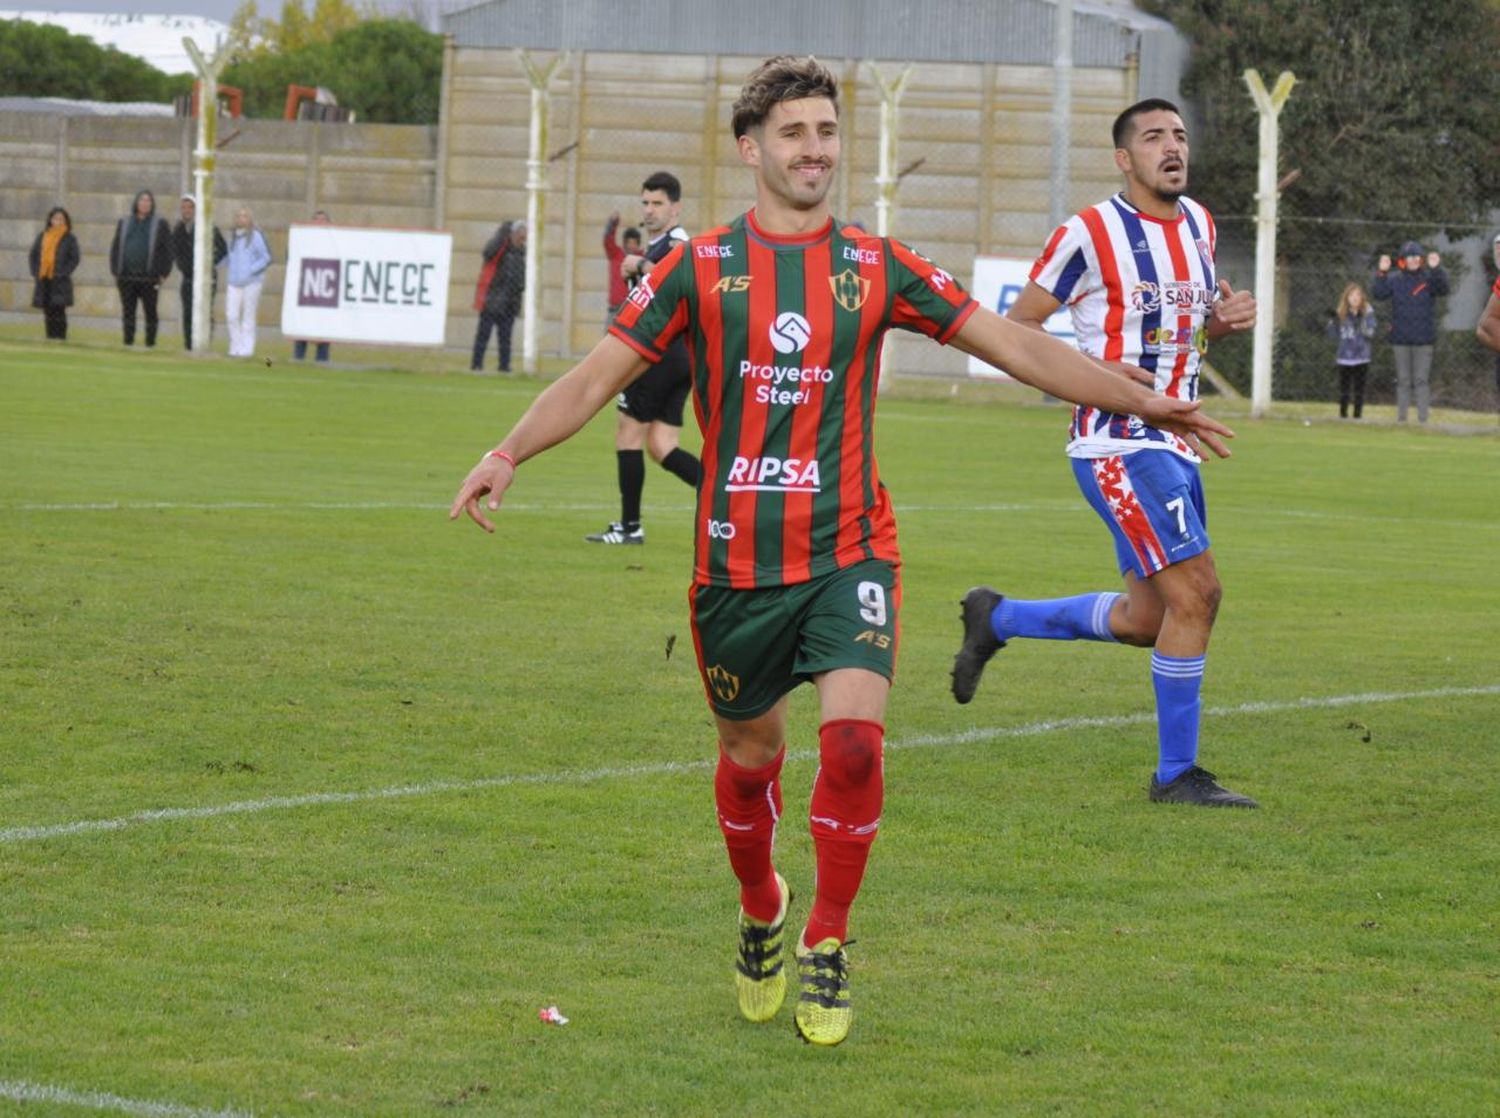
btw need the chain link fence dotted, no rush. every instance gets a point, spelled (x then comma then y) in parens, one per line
(1319, 257)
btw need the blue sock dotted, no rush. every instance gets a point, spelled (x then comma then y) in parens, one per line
(1085, 618)
(1177, 683)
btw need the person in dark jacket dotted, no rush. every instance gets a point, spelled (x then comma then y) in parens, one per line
(1413, 292)
(1353, 324)
(182, 254)
(140, 257)
(502, 282)
(54, 255)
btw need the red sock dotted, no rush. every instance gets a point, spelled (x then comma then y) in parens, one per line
(749, 802)
(845, 814)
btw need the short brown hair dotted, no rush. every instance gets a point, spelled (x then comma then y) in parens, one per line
(783, 78)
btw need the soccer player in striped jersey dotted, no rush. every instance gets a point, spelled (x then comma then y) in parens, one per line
(796, 568)
(1137, 273)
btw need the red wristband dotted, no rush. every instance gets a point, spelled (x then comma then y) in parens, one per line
(502, 455)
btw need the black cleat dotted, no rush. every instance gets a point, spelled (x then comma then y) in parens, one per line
(1197, 786)
(980, 642)
(616, 532)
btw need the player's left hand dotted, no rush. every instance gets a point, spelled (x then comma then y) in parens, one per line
(493, 476)
(1234, 311)
(1183, 417)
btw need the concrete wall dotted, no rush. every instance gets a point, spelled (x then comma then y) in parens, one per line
(983, 133)
(368, 174)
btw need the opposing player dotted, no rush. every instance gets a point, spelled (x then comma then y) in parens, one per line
(1137, 274)
(651, 407)
(796, 567)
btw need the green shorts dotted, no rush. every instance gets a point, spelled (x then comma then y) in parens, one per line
(756, 645)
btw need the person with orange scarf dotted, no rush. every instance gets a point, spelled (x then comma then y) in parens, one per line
(54, 255)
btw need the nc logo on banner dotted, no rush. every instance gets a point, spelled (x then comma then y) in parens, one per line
(319, 283)
(790, 332)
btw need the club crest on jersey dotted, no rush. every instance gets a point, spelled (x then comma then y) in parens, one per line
(850, 289)
(725, 684)
(790, 332)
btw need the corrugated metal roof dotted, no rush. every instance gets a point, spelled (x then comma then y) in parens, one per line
(1017, 32)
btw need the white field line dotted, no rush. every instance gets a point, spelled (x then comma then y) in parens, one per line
(628, 772)
(1063, 506)
(21, 1091)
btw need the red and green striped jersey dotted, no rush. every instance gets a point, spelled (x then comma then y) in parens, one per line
(785, 336)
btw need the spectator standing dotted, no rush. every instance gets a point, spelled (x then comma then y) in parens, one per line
(249, 257)
(54, 256)
(182, 253)
(299, 347)
(1353, 324)
(1413, 292)
(614, 256)
(502, 282)
(140, 257)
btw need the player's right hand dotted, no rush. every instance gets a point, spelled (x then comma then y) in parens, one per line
(493, 476)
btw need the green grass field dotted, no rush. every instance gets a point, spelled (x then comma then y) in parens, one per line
(309, 800)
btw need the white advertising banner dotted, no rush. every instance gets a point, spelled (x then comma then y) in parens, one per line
(998, 283)
(349, 284)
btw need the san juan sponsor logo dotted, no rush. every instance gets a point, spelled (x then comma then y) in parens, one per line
(1183, 296)
(768, 474)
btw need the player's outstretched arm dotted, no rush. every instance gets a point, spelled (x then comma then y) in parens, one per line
(1489, 324)
(1054, 367)
(565, 406)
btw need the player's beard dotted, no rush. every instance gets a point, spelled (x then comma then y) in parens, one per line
(797, 192)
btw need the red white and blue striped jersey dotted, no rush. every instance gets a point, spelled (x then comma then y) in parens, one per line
(1140, 290)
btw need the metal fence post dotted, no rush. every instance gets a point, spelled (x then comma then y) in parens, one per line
(1269, 107)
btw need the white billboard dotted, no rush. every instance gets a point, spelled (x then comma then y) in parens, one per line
(345, 283)
(998, 282)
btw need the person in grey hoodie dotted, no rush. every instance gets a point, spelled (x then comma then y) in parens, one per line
(1413, 292)
(140, 257)
(1353, 324)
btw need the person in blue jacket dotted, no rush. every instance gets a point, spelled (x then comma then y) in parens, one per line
(1413, 292)
(249, 257)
